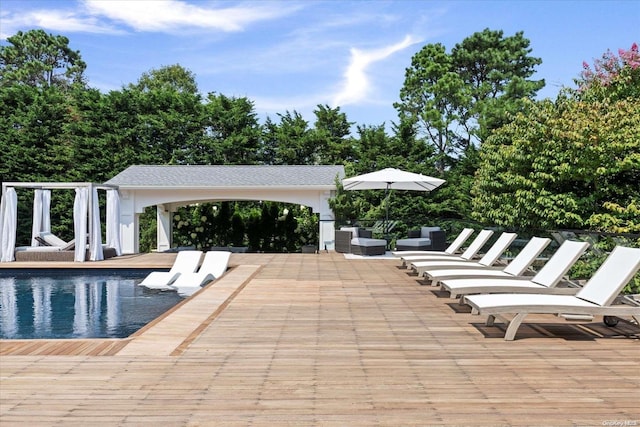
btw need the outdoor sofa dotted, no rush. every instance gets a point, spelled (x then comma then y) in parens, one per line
(48, 253)
(358, 241)
(425, 239)
(53, 248)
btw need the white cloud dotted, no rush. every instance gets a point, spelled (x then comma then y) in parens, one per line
(58, 20)
(171, 15)
(102, 16)
(357, 83)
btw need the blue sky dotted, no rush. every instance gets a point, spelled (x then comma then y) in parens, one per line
(294, 55)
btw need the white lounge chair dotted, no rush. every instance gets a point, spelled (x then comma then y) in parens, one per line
(450, 250)
(185, 262)
(471, 251)
(515, 268)
(213, 266)
(489, 258)
(595, 298)
(48, 239)
(544, 281)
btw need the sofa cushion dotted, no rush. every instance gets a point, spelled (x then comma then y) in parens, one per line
(417, 242)
(361, 241)
(425, 231)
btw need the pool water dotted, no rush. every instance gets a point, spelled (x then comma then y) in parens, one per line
(78, 304)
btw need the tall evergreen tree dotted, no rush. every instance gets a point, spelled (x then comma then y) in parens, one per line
(39, 59)
(458, 98)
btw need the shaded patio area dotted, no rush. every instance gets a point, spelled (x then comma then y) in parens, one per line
(315, 339)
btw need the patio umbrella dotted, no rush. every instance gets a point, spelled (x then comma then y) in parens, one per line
(391, 179)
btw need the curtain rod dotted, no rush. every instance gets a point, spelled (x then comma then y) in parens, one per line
(57, 185)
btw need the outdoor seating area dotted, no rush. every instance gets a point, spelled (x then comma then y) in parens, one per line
(425, 239)
(358, 241)
(512, 289)
(187, 275)
(53, 248)
(44, 253)
(46, 246)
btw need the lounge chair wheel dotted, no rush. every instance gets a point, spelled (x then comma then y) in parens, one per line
(610, 321)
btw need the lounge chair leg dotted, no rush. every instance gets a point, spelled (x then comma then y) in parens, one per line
(513, 326)
(490, 319)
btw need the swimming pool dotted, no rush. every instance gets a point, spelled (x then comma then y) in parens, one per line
(77, 304)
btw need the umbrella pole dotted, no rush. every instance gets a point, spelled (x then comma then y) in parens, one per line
(386, 216)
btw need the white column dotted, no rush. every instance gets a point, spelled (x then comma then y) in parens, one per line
(164, 228)
(326, 233)
(129, 225)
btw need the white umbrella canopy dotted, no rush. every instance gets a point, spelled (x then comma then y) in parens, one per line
(392, 179)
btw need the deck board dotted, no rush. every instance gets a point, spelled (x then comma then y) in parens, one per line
(314, 339)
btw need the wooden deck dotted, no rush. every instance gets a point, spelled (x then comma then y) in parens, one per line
(315, 339)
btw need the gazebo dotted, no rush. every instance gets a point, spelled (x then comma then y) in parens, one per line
(169, 187)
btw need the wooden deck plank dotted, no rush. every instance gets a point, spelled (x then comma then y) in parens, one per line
(314, 339)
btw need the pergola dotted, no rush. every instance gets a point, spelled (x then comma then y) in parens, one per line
(86, 216)
(173, 186)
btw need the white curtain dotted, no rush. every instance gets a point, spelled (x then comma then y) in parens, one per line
(95, 234)
(41, 214)
(46, 211)
(8, 224)
(80, 209)
(37, 217)
(113, 221)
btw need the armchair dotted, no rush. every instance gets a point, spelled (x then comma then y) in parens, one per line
(425, 239)
(358, 241)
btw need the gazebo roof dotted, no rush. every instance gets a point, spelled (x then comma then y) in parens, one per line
(227, 176)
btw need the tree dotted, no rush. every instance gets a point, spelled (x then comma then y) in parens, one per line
(38, 59)
(433, 97)
(91, 155)
(457, 99)
(289, 142)
(172, 77)
(561, 165)
(332, 132)
(231, 133)
(168, 115)
(37, 145)
(613, 77)
(496, 69)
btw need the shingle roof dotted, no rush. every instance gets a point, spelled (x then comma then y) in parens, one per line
(227, 176)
